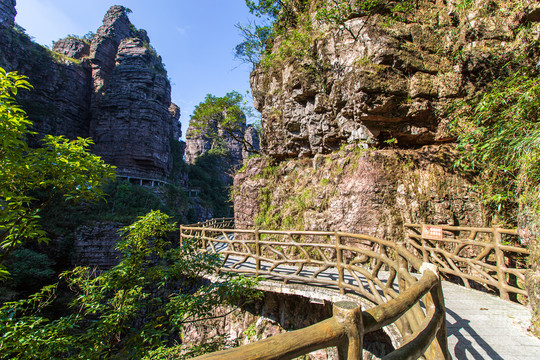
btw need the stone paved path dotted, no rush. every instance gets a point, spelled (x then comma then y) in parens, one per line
(479, 326)
(482, 326)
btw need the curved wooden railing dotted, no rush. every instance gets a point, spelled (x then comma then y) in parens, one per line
(489, 259)
(376, 269)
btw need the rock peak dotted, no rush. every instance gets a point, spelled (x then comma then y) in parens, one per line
(116, 23)
(116, 12)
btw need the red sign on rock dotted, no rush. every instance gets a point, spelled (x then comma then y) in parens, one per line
(432, 232)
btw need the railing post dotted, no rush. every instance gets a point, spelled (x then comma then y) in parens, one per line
(257, 252)
(501, 265)
(439, 347)
(203, 235)
(347, 314)
(403, 266)
(425, 256)
(339, 258)
(181, 238)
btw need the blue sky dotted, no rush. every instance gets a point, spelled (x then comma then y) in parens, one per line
(195, 38)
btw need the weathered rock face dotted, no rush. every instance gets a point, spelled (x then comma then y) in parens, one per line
(72, 47)
(94, 246)
(372, 192)
(114, 90)
(7, 12)
(59, 103)
(131, 123)
(391, 82)
(251, 136)
(272, 315)
(198, 143)
(175, 112)
(529, 234)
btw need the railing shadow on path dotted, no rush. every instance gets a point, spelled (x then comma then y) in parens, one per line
(464, 346)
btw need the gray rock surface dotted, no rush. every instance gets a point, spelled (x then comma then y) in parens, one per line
(392, 82)
(131, 124)
(94, 245)
(72, 47)
(7, 12)
(114, 90)
(372, 192)
(198, 142)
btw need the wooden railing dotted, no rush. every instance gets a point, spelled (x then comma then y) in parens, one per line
(482, 258)
(376, 269)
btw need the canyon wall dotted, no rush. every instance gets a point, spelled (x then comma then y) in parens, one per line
(112, 87)
(380, 77)
(372, 192)
(273, 314)
(233, 152)
(366, 102)
(7, 12)
(355, 116)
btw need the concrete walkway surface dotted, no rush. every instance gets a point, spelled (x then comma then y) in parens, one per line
(482, 326)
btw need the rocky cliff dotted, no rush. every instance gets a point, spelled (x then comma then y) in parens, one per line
(7, 12)
(198, 142)
(386, 76)
(131, 122)
(59, 103)
(355, 111)
(366, 82)
(372, 192)
(113, 88)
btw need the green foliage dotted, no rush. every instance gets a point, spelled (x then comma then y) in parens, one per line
(337, 13)
(32, 178)
(288, 23)
(122, 203)
(214, 193)
(29, 270)
(294, 43)
(86, 38)
(226, 115)
(60, 58)
(499, 138)
(463, 5)
(252, 49)
(265, 8)
(139, 305)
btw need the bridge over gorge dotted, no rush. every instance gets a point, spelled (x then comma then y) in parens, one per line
(402, 283)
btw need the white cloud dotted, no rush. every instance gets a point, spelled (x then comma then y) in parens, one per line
(182, 31)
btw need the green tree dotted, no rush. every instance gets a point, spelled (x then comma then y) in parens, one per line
(253, 48)
(499, 138)
(138, 306)
(226, 115)
(32, 178)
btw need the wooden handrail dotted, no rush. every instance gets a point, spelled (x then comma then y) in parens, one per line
(308, 256)
(477, 256)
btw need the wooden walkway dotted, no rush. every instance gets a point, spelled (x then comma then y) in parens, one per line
(479, 325)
